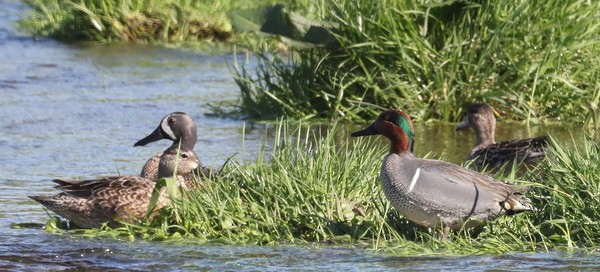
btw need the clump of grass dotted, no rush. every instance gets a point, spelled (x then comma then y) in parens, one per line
(305, 193)
(142, 20)
(530, 60)
(569, 201)
(319, 187)
(162, 21)
(314, 189)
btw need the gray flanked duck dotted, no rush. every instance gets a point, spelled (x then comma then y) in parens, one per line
(488, 153)
(438, 194)
(179, 128)
(112, 200)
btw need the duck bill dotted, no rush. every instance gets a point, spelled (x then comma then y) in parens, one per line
(462, 126)
(155, 136)
(370, 130)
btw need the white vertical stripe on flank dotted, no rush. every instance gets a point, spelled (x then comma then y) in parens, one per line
(414, 180)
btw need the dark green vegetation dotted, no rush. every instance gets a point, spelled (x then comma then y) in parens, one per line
(529, 59)
(314, 190)
(138, 20)
(570, 199)
(127, 20)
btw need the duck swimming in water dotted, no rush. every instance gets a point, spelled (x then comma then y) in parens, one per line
(488, 153)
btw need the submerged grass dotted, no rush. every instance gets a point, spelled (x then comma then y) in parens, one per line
(315, 190)
(531, 60)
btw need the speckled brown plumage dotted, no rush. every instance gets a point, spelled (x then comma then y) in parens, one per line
(435, 193)
(488, 153)
(90, 203)
(150, 169)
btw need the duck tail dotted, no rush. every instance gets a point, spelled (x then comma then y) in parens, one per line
(517, 203)
(536, 154)
(42, 199)
(541, 141)
(72, 208)
(57, 202)
(51, 202)
(63, 183)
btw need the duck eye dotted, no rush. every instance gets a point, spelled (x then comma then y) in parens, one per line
(171, 120)
(386, 117)
(392, 117)
(184, 155)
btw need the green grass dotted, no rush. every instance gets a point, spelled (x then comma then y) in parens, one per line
(317, 186)
(570, 199)
(532, 60)
(165, 21)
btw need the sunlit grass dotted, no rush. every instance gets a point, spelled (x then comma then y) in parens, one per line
(138, 20)
(317, 186)
(532, 60)
(570, 199)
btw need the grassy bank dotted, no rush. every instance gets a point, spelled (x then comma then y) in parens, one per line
(321, 187)
(531, 60)
(166, 21)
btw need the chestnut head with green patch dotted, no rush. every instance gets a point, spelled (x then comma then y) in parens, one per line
(396, 126)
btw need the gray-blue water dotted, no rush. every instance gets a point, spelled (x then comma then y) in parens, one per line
(69, 111)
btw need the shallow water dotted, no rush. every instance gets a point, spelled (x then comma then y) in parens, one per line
(72, 111)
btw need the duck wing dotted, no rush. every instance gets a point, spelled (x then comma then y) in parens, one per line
(109, 187)
(522, 149)
(451, 187)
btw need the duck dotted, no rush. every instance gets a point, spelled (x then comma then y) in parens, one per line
(180, 128)
(119, 199)
(489, 154)
(437, 194)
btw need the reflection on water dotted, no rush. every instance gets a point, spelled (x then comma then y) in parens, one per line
(73, 111)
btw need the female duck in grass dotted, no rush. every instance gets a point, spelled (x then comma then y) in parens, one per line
(437, 194)
(488, 153)
(113, 200)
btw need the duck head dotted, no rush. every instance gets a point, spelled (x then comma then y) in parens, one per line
(480, 117)
(396, 126)
(175, 161)
(177, 126)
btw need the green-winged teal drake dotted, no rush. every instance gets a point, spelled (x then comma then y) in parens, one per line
(91, 203)
(488, 153)
(435, 193)
(179, 128)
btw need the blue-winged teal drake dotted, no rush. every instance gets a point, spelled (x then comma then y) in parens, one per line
(179, 128)
(435, 193)
(488, 153)
(90, 203)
